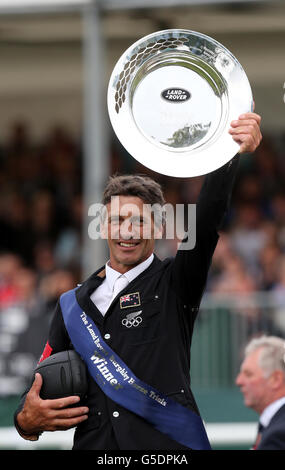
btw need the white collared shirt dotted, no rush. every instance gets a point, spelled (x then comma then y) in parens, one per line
(268, 413)
(102, 296)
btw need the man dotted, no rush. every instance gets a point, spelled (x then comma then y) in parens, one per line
(262, 382)
(148, 323)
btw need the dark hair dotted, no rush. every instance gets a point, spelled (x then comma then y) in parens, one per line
(140, 186)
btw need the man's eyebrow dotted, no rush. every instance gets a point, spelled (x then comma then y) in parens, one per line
(139, 217)
(114, 216)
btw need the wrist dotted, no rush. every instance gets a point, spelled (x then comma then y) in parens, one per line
(28, 435)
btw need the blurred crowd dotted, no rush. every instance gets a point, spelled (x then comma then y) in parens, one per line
(40, 240)
(41, 213)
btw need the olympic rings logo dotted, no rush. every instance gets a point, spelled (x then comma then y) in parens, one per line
(129, 322)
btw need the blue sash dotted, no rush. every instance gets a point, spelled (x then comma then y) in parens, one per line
(119, 383)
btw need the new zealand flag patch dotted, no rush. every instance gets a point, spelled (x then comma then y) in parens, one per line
(130, 300)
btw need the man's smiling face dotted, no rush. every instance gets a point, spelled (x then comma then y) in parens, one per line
(130, 232)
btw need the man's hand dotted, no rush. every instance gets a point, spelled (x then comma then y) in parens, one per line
(246, 132)
(40, 415)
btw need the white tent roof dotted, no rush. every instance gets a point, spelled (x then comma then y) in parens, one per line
(15, 6)
(19, 6)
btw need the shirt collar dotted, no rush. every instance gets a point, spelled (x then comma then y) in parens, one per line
(270, 411)
(112, 275)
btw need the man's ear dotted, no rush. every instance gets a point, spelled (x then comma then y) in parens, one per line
(104, 230)
(277, 379)
(158, 231)
(104, 223)
(159, 221)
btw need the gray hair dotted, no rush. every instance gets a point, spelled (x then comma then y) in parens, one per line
(272, 356)
(144, 187)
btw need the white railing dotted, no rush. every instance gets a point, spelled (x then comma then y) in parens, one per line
(219, 434)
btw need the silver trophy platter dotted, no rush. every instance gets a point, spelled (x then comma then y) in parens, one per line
(171, 98)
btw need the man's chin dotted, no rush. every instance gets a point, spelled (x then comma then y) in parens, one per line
(247, 403)
(130, 261)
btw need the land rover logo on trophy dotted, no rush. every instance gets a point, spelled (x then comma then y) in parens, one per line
(176, 95)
